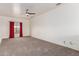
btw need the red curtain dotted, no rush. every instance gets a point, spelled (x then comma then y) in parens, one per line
(11, 30)
(21, 33)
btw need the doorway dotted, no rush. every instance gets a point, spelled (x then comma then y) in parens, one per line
(16, 29)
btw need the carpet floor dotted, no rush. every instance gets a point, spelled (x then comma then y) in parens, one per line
(29, 46)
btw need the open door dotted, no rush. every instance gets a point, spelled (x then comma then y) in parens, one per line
(21, 33)
(11, 34)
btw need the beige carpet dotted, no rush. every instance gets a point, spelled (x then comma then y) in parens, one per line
(29, 46)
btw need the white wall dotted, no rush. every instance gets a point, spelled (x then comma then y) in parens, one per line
(58, 25)
(4, 26)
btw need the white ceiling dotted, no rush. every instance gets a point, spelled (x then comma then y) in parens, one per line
(19, 9)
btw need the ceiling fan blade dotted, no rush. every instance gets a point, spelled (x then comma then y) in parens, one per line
(31, 13)
(27, 9)
(27, 12)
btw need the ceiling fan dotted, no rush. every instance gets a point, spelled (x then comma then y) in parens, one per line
(29, 13)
